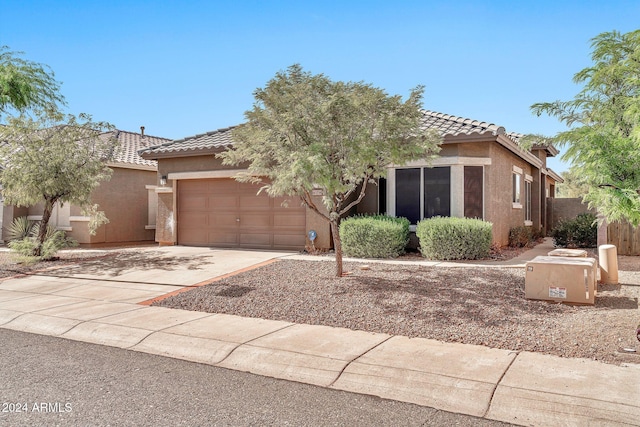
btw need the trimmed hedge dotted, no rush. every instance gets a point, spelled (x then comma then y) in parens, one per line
(580, 232)
(447, 238)
(374, 236)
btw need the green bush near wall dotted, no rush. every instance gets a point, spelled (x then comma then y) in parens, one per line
(374, 236)
(580, 232)
(446, 238)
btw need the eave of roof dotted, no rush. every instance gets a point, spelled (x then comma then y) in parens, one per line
(555, 176)
(550, 149)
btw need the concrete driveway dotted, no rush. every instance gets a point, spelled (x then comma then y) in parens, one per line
(116, 283)
(168, 265)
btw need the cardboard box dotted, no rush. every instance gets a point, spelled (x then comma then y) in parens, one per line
(568, 253)
(561, 279)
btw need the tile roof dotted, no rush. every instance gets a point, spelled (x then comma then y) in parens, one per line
(445, 124)
(210, 140)
(129, 143)
(515, 136)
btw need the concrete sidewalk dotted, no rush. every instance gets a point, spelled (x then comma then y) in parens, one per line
(99, 304)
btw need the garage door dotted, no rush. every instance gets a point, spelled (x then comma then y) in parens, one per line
(227, 213)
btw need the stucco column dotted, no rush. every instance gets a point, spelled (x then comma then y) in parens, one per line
(603, 238)
(391, 192)
(165, 220)
(457, 191)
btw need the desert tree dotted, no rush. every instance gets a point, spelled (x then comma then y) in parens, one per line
(306, 132)
(603, 139)
(26, 85)
(54, 159)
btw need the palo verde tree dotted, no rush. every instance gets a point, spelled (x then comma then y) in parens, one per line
(26, 85)
(307, 132)
(603, 140)
(54, 159)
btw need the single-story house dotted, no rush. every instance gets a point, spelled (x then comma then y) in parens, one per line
(481, 172)
(128, 199)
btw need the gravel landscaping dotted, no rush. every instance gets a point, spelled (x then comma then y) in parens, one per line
(473, 305)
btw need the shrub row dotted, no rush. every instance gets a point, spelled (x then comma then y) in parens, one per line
(454, 238)
(374, 236)
(382, 236)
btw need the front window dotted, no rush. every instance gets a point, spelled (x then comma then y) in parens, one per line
(423, 193)
(408, 194)
(516, 189)
(527, 201)
(437, 192)
(473, 194)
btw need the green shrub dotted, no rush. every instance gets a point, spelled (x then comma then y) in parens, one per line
(24, 240)
(454, 238)
(520, 237)
(374, 236)
(20, 228)
(579, 232)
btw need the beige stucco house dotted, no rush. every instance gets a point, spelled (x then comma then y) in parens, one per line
(128, 199)
(481, 172)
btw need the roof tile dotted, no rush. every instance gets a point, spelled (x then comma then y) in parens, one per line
(445, 124)
(214, 139)
(129, 143)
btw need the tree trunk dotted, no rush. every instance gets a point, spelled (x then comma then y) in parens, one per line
(44, 223)
(337, 246)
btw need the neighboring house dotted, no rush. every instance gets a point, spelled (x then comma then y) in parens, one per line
(128, 199)
(481, 172)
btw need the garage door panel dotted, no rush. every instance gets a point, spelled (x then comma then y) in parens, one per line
(222, 238)
(222, 186)
(223, 220)
(255, 220)
(223, 203)
(194, 236)
(251, 202)
(193, 202)
(196, 186)
(255, 239)
(208, 210)
(194, 219)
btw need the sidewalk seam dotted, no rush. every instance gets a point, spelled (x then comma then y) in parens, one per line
(495, 388)
(356, 358)
(145, 337)
(253, 339)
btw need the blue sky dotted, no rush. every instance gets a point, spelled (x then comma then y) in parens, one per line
(185, 67)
